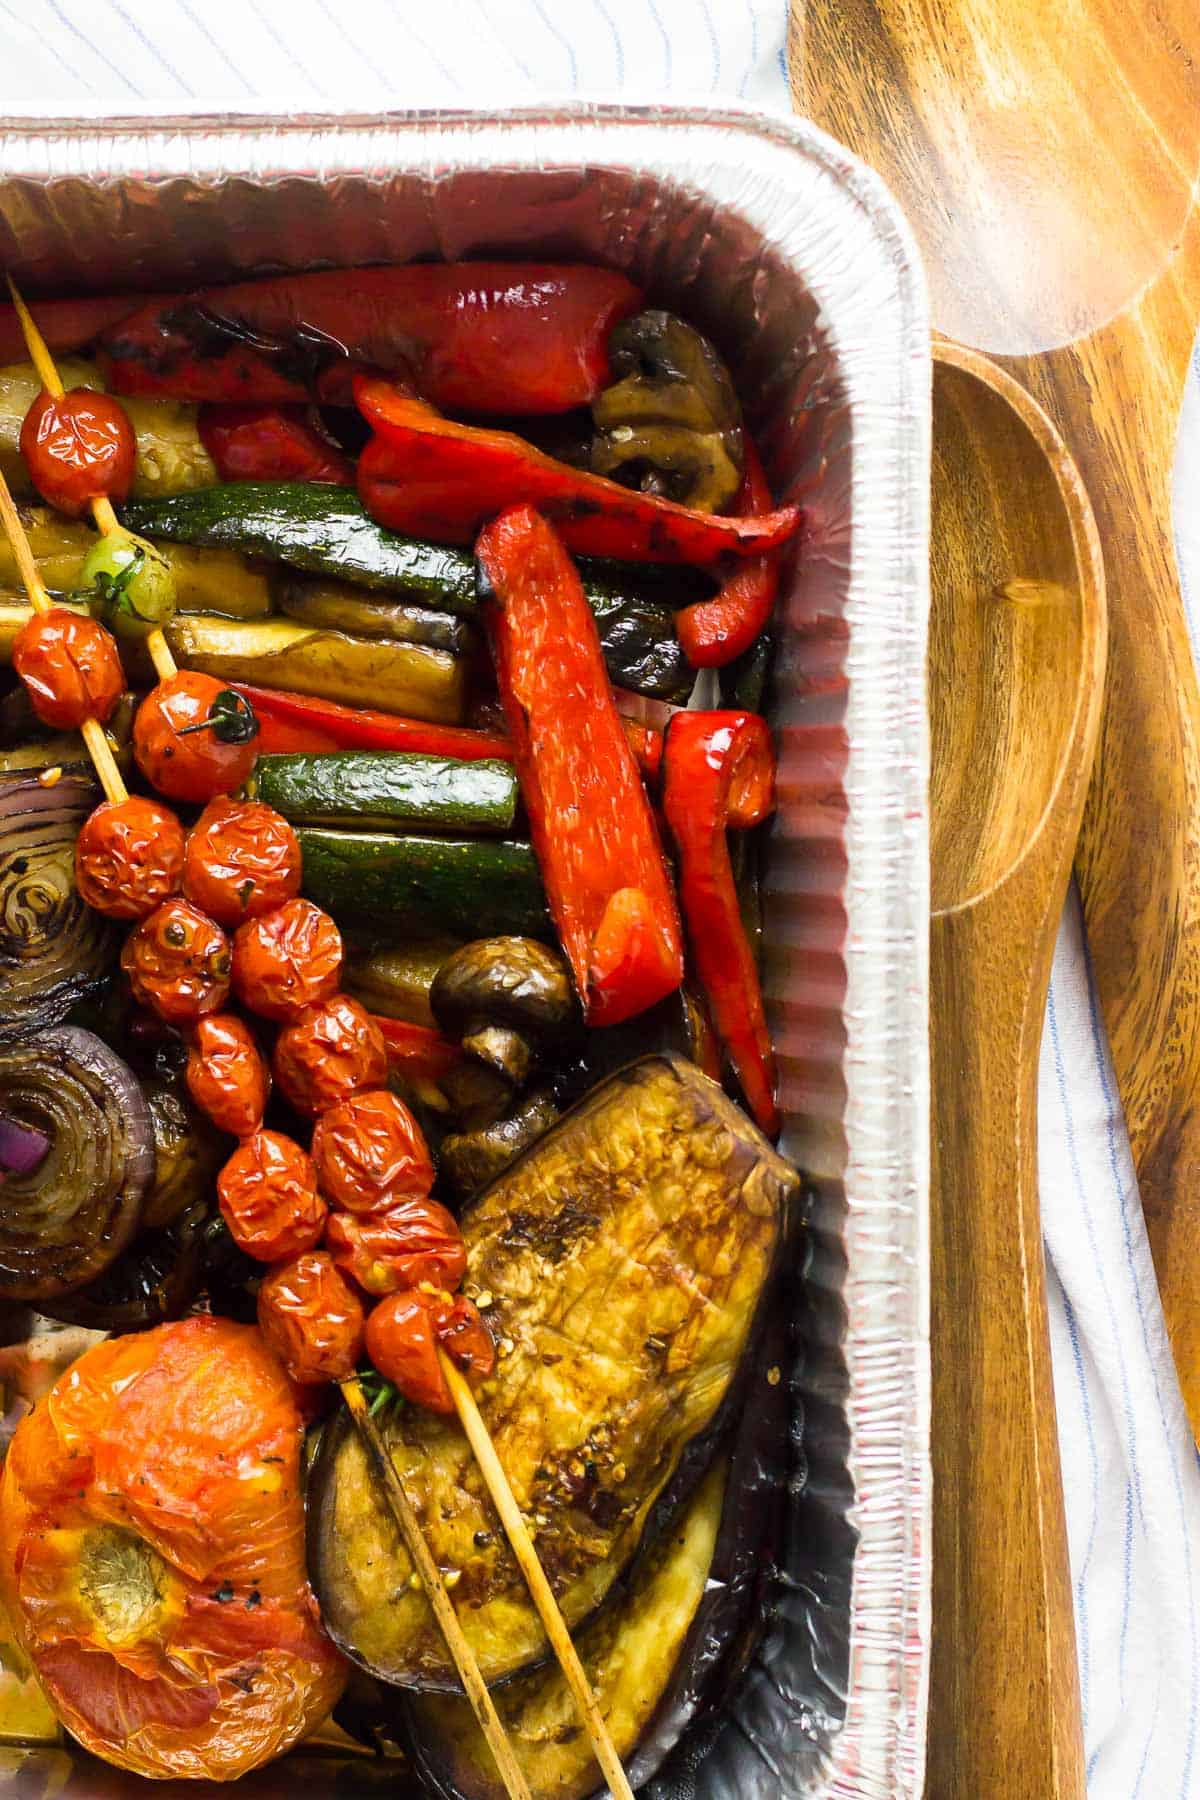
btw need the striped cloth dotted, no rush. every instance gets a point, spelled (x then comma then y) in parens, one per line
(1132, 1482)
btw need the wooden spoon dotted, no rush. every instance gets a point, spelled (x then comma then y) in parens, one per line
(1016, 670)
(1047, 158)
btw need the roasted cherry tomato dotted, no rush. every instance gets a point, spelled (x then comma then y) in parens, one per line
(398, 1246)
(268, 1197)
(78, 447)
(129, 857)
(227, 1077)
(327, 1053)
(194, 738)
(466, 1339)
(403, 1334)
(369, 1151)
(287, 959)
(70, 666)
(312, 1318)
(243, 859)
(177, 961)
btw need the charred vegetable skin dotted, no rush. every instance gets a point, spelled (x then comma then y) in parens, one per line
(670, 424)
(482, 337)
(651, 1194)
(60, 950)
(421, 472)
(66, 1220)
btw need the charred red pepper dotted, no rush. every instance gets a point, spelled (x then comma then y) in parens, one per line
(714, 631)
(430, 476)
(592, 828)
(66, 325)
(270, 443)
(480, 337)
(300, 722)
(647, 747)
(719, 771)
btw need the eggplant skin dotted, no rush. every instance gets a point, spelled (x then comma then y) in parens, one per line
(624, 1260)
(668, 1644)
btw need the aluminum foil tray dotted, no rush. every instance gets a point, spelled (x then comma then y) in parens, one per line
(798, 262)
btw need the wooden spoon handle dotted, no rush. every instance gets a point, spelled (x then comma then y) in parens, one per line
(1004, 1694)
(1116, 398)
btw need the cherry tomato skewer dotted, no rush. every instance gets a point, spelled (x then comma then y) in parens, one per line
(102, 508)
(99, 748)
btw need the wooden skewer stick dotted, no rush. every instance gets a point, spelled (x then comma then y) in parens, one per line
(99, 748)
(409, 1526)
(102, 508)
(517, 1532)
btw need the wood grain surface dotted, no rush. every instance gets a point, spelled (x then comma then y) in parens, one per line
(1016, 665)
(1046, 154)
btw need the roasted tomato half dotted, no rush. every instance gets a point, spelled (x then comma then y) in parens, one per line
(152, 1554)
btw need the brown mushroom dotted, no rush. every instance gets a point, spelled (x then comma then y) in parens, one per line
(469, 1160)
(671, 424)
(505, 998)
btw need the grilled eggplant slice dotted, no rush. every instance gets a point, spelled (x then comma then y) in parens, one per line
(625, 1257)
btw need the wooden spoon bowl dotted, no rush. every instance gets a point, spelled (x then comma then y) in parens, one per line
(1016, 669)
(1009, 664)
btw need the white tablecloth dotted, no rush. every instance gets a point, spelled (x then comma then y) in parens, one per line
(1132, 1482)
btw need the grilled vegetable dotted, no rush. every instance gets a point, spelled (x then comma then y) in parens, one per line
(53, 948)
(505, 998)
(396, 981)
(400, 678)
(669, 1643)
(469, 1160)
(187, 1155)
(16, 612)
(670, 424)
(499, 336)
(424, 884)
(320, 529)
(155, 1279)
(626, 1256)
(20, 385)
(169, 458)
(62, 1223)
(217, 581)
(423, 472)
(326, 532)
(338, 606)
(366, 787)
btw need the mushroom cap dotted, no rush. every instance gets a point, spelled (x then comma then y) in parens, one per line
(503, 981)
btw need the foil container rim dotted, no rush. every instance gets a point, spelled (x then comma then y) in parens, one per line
(879, 1750)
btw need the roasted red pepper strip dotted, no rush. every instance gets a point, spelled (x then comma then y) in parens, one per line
(714, 631)
(478, 337)
(428, 475)
(270, 443)
(591, 824)
(301, 722)
(718, 769)
(416, 1052)
(66, 325)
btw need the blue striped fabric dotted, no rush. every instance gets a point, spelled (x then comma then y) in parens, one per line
(1131, 1474)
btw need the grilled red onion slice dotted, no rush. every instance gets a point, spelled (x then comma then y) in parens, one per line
(65, 1220)
(53, 948)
